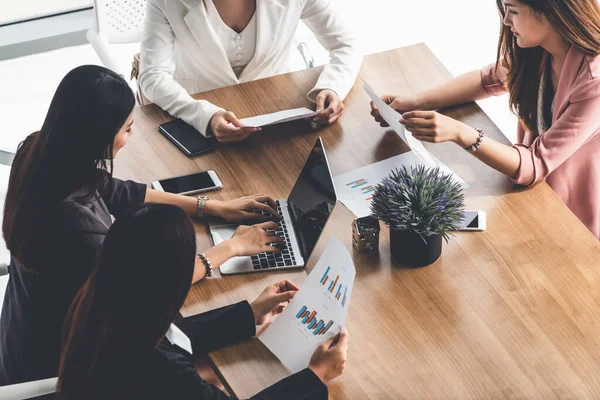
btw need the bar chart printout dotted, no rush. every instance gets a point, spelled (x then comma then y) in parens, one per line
(313, 324)
(335, 289)
(365, 188)
(317, 312)
(356, 188)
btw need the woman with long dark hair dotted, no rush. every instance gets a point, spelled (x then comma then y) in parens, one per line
(59, 203)
(548, 63)
(120, 341)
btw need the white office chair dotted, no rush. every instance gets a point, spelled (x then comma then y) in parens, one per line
(116, 22)
(309, 61)
(4, 254)
(28, 390)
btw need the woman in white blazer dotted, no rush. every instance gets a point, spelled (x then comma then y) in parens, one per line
(191, 46)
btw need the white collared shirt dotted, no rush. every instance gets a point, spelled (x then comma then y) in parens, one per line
(178, 338)
(239, 47)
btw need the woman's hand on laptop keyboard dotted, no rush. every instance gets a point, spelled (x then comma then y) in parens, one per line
(250, 240)
(243, 209)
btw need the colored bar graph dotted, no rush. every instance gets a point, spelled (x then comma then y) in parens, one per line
(368, 189)
(358, 183)
(301, 312)
(309, 318)
(319, 326)
(355, 182)
(324, 278)
(364, 187)
(325, 329)
(334, 285)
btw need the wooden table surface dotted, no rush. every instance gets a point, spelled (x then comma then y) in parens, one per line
(511, 312)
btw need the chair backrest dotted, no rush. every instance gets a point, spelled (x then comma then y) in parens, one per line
(120, 21)
(4, 175)
(28, 390)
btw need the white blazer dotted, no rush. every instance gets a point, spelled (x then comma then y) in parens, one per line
(181, 53)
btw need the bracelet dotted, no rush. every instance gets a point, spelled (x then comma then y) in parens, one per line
(201, 203)
(476, 145)
(207, 264)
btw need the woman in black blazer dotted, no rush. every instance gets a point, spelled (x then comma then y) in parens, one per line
(59, 203)
(120, 341)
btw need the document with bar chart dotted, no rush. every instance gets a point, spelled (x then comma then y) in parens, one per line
(317, 312)
(355, 188)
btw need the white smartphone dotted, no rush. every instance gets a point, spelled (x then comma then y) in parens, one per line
(474, 221)
(200, 182)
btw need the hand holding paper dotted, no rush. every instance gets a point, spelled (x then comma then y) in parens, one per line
(329, 359)
(392, 117)
(278, 117)
(316, 314)
(401, 104)
(273, 300)
(226, 128)
(331, 106)
(433, 127)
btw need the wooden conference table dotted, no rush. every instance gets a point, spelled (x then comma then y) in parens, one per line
(509, 312)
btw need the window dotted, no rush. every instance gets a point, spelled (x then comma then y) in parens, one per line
(13, 11)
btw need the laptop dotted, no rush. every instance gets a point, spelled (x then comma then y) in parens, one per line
(304, 215)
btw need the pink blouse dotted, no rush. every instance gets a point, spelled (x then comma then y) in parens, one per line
(567, 156)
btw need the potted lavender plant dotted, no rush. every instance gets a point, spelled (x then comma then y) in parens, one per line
(421, 206)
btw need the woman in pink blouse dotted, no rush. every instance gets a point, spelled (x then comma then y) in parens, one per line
(548, 63)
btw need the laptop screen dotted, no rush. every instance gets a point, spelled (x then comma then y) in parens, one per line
(312, 199)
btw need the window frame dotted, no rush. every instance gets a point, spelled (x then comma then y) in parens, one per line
(46, 33)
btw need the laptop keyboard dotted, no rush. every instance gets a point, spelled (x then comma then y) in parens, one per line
(276, 260)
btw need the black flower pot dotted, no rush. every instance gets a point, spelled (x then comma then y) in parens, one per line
(409, 249)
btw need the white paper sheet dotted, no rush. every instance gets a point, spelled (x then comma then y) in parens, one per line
(317, 312)
(279, 117)
(392, 117)
(176, 336)
(355, 188)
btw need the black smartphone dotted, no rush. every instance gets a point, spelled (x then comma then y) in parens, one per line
(187, 138)
(200, 182)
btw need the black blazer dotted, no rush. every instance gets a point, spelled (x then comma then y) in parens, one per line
(35, 305)
(168, 372)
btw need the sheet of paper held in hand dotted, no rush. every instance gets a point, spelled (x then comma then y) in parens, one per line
(392, 117)
(317, 312)
(355, 188)
(279, 117)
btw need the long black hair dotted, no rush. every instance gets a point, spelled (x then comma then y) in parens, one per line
(71, 156)
(138, 285)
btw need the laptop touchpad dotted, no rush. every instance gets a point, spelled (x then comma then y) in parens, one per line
(222, 233)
